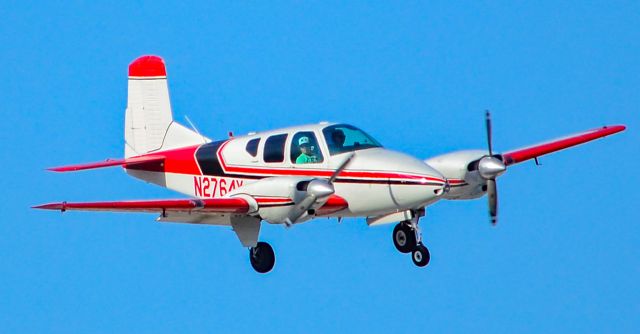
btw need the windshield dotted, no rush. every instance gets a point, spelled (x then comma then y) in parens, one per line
(346, 138)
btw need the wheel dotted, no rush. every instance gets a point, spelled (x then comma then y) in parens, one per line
(421, 256)
(262, 257)
(404, 238)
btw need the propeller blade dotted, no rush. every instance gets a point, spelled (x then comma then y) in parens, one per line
(492, 194)
(302, 207)
(342, 166)
(489, 134)
(318, 189)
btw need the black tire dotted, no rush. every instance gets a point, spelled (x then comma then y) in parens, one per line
(404, 238)
(421, 256)
(262, 257)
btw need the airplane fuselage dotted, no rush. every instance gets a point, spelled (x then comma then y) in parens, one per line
(377, 180)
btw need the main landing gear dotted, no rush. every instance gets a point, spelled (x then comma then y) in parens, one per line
(407, 239)
(262, 257)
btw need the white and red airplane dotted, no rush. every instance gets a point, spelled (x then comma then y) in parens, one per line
(293, 175)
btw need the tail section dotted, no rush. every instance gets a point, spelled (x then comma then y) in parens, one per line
(149, 124)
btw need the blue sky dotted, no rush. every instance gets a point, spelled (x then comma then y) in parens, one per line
(415, 75)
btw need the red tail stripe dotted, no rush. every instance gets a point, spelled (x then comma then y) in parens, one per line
(147, 66)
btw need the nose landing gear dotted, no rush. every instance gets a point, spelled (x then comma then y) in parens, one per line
(421, 256)
(408, 239)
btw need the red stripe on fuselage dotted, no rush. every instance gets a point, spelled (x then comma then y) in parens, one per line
(179, 161)
(183, 161)
(270, 199)
(270, 171)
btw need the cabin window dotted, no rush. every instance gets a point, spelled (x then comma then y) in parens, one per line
(305, 149)
(252, 146)
(274, 148)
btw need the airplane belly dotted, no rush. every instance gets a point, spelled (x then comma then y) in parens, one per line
(366, 199)
(414, 195)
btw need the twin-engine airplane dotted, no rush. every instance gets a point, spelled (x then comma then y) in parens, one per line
(293, 175)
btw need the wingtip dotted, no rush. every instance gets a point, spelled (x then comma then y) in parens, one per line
(57, 169)
(62, 169)
(615, 128)
(49, 206)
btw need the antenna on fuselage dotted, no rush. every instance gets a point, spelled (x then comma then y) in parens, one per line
(204, 140)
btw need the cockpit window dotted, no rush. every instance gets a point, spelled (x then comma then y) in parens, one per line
(346, 138)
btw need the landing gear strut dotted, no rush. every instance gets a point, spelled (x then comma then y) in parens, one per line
(262, 257)
(408, 239)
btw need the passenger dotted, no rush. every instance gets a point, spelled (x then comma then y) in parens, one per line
(338, 137)
(307, 154)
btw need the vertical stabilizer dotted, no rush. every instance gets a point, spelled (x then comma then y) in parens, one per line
(149, 124)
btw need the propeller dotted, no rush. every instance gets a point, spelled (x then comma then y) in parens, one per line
(487, 117)
(316, 189)
(489, 168)
(342, 166)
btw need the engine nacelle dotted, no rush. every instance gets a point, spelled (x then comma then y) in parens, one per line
(276, 197)
(463, 183)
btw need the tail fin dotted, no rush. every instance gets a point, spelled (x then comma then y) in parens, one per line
(149, 124)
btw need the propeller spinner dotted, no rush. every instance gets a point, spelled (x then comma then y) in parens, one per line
(317, 189)
(489, 168)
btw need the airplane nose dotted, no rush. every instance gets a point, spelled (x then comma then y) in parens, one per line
(430, 187)
(435, 178)
(412, 183)
(435, 182)
(442, 187)
(441, 190)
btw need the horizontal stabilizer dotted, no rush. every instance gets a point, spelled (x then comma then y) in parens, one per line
(214, 205)
(109, 163)
(531, 152)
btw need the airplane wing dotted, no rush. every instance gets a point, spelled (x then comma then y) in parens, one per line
(215, 205)
(109, 163)
(531, 152)
(217, 211)
(176, 207)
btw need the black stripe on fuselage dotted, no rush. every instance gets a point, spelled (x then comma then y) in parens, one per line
(207, 158)
(275, 205)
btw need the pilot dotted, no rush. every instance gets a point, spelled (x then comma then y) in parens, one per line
(307, 154)
(338, 137)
